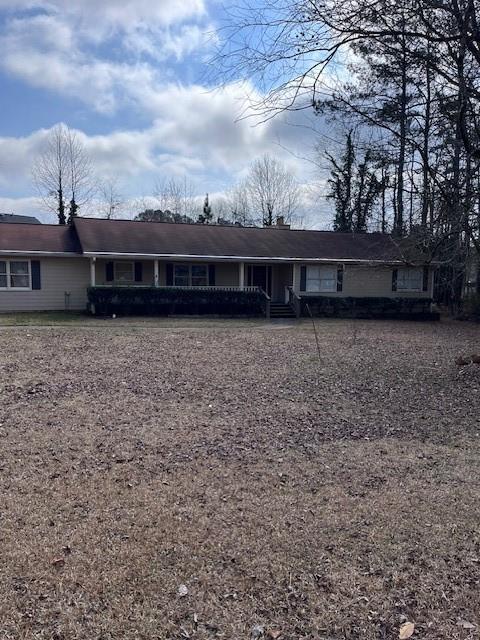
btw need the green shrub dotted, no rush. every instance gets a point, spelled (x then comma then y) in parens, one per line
(471, 307)
(165, 301)
(403, 308)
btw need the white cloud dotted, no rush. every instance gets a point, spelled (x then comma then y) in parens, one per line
(53, 52)
(124, 14)
(28, 206)
(42, 51)
(162, 43)
(195, 132)
(112, 54)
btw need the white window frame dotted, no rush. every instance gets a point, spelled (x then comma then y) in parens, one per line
(189, 266)
(320, 288)
(405, 274)
(8, 273)
(123, 263)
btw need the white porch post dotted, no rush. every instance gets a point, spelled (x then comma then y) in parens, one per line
(296, 277)
(155, 273)
(92, 271)
(241, 275)
(92, 281)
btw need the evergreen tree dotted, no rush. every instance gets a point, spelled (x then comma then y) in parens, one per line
(354, 189)
(206, 216)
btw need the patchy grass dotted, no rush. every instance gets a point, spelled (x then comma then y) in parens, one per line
(42, 318)
(331, 499)
(74, 318)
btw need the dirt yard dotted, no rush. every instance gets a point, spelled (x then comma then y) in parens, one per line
(223, 482)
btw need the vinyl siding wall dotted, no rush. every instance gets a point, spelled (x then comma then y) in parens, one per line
(147, 272)
(371, 281)
(226, 273)
(58, 276)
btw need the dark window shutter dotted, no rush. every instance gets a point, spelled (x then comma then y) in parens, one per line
(340, 279)
(36, 280)
(109, 272)
(138, 271)
(211, 275)
(303, 278)
(394, 279)
(169, 274)
(425, 279)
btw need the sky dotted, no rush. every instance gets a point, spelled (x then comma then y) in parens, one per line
(133, 78)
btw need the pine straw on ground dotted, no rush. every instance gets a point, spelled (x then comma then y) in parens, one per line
(293, 497)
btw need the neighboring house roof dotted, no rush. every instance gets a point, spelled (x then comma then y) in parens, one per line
(16, 219)
(38, 238)
(127, 237)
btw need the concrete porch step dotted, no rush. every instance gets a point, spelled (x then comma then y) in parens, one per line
(281, 310)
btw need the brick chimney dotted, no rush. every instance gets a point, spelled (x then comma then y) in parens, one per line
(281, 223)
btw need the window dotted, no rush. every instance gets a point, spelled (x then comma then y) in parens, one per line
(14, 274)
(3, 274)
(409, 279)
(321, 279)
(124, 272)
(181, 275)
(190, 275)
(199, 275)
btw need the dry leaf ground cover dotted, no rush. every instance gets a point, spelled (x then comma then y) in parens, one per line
(292, 498)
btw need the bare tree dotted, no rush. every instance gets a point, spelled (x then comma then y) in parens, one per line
(111, 198)
(177, 196)
(51, 173)
(238, 203)
(63, 173)
(82, 186)
(273, 191)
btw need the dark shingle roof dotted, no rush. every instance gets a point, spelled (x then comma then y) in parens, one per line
(126, 237)
(16, 219)
(46, 238)
(165, 239)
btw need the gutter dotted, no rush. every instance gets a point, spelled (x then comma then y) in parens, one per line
(178, 256)
(59, 254)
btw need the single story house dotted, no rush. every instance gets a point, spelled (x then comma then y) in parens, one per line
(123, 265)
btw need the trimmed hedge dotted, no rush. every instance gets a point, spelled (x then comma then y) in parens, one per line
(172, 301)
(392, 308)
(471, 307)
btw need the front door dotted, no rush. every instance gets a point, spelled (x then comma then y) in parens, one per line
(260, 275)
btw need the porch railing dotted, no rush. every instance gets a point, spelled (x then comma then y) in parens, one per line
(294, 301)
(184, 288)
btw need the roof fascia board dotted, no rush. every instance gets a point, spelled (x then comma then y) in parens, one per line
(176, 256)
(59, 254)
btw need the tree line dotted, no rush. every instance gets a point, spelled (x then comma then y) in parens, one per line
(402, 79)
(65, 178)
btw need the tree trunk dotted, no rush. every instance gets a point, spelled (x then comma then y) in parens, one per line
(398, 227)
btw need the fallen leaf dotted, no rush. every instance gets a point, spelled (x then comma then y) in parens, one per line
(58, 562)
(406, 631)
(274, 634)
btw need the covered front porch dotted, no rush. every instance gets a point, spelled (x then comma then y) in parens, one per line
(274, 279)
(226, 286)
